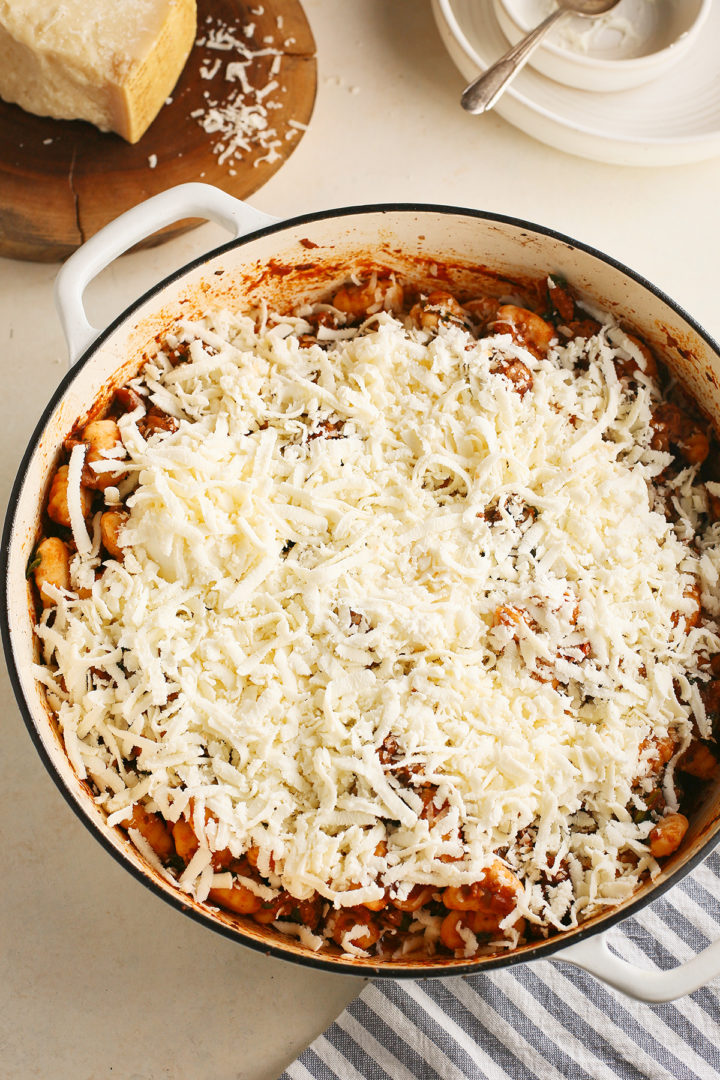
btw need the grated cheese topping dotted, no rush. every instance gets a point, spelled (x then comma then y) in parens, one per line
(74, 500)
(383, 539)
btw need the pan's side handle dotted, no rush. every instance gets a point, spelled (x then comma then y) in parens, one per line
(183, 201)
(651, 986)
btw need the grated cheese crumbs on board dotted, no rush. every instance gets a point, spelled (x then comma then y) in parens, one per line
(238, 118)
(288, 601)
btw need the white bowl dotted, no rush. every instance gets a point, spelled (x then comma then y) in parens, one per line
(670, 121)
(636, 42)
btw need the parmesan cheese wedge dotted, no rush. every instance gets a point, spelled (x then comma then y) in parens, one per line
(111, 64)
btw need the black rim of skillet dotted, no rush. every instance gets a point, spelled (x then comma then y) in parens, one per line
(394, 969)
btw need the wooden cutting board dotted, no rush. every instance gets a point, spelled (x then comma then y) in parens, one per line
(61, 181)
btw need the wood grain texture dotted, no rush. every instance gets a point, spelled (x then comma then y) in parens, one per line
(61, 181)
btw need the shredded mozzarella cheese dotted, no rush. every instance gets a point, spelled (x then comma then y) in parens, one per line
(74, 501)
(381, 539)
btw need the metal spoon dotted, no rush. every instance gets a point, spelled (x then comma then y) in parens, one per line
(482, 94)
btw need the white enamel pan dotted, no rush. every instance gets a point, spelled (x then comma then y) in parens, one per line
(284, 261)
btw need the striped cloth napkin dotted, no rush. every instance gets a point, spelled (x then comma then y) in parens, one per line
(540, 1021)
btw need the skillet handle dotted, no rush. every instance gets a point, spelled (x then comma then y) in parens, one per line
(651, 986)
(183, 201)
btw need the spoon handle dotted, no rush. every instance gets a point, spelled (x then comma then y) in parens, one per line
(482, 94)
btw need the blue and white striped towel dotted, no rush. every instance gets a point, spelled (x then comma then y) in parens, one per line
(541, 1021)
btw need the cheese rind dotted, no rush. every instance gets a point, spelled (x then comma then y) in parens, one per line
(112, 65)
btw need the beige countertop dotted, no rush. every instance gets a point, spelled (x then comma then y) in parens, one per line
(100, 978)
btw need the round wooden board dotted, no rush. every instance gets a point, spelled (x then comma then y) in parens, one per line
(61, 180)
